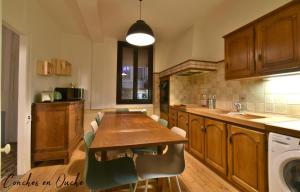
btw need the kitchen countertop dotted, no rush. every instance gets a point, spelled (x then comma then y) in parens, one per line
(261, 121)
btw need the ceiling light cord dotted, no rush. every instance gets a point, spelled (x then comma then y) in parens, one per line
(140, 9)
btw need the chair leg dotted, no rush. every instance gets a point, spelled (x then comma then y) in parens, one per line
(135, 186)
(178, 185)
(169, 182)
(146, 185)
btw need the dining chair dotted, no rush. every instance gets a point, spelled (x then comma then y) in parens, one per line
(122, 110)
(94, 126)
(99, 117)
(107, 174)
(149, 150)
(163, 122)
(155, 117)
(170, 164)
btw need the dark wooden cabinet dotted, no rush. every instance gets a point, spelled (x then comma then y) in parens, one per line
(269, 45)
(278, 42)
(196, 136)
(239, 54)
(247, 158)
(56, 130)
(183, 123)
(216, 145)
(172, 117)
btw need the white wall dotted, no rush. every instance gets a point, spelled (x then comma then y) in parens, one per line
(40, 39)
(204, 40)
(104, 74)
(78, 50)
(225, 18)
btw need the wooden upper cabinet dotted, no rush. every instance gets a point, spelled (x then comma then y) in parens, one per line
(247, 158)
(172, 117)
(183, 123)
(197, 135)
(215, 145)
(269, 45)
(239, 54)
(278, 42)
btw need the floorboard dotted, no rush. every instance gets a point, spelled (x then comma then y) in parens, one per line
(196, 177)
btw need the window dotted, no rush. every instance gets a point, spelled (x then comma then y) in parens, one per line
(134, 74)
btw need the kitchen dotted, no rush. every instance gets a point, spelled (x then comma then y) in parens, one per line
(225, 73)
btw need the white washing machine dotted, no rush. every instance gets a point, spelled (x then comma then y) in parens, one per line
(284, 163)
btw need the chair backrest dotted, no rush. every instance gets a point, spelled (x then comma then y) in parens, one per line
(155, 117)
(163, 122)
(175, 152)
(88, 139)
(122, 110)
(99, 117)
(94, 126)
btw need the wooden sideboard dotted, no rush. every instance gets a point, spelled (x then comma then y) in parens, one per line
(57, 128)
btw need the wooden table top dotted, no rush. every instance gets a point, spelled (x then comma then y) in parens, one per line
(131, 129)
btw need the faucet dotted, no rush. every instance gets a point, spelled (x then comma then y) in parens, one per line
(238, 106)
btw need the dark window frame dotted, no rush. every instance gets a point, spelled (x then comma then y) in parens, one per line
(119, 99)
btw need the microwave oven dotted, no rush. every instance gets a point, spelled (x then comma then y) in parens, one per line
(70, 94)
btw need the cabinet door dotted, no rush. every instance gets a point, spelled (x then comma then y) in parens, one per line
(247, 158)
(197, 135)
(73, 127)
(239, 54)
(172, 117)
(80, 113)
(183, 123)
(49, 128)
(278, 42)
(215, 145)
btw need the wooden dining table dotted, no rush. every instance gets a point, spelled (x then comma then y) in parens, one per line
(125, 130)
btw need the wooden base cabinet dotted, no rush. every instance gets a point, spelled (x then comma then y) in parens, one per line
(247, 158)
(197, 136)
(216, 145)
(172, 117)
(56, 130)
(183, 123)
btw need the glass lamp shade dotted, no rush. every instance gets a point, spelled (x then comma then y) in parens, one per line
(140, 34)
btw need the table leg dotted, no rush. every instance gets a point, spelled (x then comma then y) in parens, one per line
(103, 155)
(160, 150)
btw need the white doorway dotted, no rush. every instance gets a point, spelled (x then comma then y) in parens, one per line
(15, 102)
(9, 99)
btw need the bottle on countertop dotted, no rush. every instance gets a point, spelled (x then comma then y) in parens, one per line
(211, 102)
(203, 100)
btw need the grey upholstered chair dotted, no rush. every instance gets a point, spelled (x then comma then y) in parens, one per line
(155, 117)
(170, 164)
(94, 126)
(99, 117)
(106, 174)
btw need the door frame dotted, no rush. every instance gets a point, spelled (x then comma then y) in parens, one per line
(24, 104)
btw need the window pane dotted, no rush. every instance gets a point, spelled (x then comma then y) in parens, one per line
(127, 73)
(143, 71)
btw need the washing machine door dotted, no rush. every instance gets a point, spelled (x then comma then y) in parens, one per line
(287, 171)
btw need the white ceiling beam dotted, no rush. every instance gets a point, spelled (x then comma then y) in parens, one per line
(91, 16)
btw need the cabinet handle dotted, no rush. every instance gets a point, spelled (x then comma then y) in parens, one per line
(230, 139)
(259, 57)
(203, 128)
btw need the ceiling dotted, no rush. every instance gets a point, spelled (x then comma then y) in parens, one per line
(101, 18)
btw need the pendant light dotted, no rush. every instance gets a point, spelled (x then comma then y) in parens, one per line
(140, 34)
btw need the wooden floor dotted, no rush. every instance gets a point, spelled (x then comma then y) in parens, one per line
(9, 161)
(195, 178)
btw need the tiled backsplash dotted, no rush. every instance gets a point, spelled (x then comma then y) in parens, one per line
(279, 95)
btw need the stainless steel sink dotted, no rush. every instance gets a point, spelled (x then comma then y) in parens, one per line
(244, 115)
